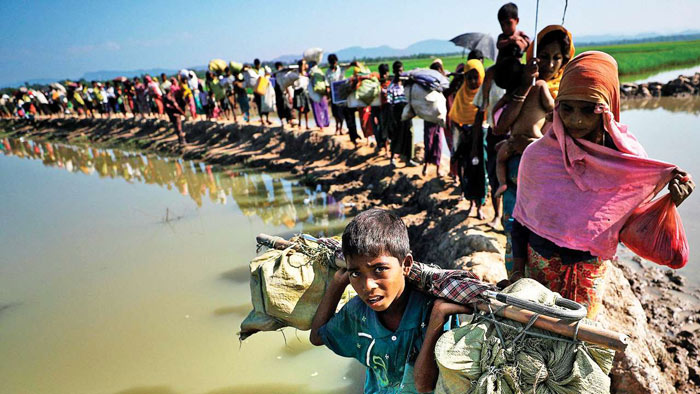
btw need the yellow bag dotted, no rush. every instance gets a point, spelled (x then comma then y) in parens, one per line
(262, 85)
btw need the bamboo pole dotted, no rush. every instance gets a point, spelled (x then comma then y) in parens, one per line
(597, 336)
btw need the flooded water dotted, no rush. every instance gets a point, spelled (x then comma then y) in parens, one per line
(664, 76)
(667, 128)
(127, 273)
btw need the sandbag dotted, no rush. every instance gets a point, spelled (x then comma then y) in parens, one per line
(313, 55)
(655, 232)
(285, 78)
(318, 81)
(217, 65)
(286, 287)
(426, 104)
(474, 359)
(250, 78)
(235, 67)
(368, 90)
(429, 79)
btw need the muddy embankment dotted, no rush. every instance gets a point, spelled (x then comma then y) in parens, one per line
(680, 87)
(643, 303)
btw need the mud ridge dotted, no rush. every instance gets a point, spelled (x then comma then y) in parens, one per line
(640, 301)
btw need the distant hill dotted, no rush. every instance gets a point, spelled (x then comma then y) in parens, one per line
(426, 47)
(433, 47)
(104, 75)
(611, 39)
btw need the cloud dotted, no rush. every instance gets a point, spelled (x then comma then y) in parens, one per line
(109, 46)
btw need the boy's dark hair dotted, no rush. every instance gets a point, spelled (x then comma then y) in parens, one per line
(475, 54)
(396, 67)
(332, 58)
(563, 40)
(374, 233)
(508, 73)
(278, 64)
(383, 69)
(256, 62)
(508, 11)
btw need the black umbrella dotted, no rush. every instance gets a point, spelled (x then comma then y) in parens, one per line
(483, 42)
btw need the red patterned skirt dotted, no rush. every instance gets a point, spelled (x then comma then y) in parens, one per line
(583, 282)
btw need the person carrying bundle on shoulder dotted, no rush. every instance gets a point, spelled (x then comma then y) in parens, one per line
(389, 327)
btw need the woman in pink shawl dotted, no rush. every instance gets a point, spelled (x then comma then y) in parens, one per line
(579, 183)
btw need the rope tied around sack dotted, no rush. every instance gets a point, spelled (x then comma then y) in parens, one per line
(523, 355)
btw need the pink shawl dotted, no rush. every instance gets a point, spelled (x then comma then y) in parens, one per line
(579, 194)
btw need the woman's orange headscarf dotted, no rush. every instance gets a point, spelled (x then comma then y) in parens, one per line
(592, 76)
(463, 110)
(553, 83)
(578, 193)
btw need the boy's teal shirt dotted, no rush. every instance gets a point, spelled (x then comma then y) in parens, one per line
(355, 331)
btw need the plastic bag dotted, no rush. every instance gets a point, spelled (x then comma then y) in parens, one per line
(313, 55)
(268, 100)
(655, 232)
(286, 78)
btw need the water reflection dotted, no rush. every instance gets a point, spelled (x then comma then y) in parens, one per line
(276, 200)
(690, 104)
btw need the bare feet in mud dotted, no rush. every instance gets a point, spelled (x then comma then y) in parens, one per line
(494, 224)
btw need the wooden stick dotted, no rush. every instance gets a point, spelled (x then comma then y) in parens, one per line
(597, 336)
(273, 241)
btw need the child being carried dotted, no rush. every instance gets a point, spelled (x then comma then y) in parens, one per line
(522, 111)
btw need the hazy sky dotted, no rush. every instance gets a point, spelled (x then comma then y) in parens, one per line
(59, 39)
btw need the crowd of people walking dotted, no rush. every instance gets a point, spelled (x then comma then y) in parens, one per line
(493, 115)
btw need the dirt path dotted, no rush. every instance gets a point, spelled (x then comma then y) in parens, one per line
(663, 355)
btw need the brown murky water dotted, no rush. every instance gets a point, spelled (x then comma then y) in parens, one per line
(127, 273)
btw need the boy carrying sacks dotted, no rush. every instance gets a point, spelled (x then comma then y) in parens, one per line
(525, 106)
(389, 327)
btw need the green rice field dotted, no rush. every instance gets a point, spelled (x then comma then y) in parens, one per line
(650, 56)
(633, 59)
